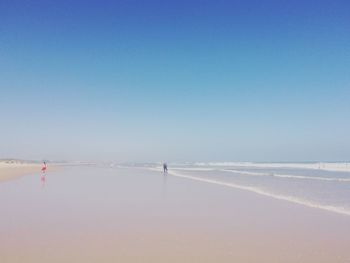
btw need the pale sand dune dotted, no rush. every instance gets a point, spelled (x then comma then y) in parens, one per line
(12, 170)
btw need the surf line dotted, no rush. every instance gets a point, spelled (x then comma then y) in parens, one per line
(295, 200)
(288, 176)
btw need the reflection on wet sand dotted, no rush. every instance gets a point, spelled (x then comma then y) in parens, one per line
(43, 180)
(164, 188)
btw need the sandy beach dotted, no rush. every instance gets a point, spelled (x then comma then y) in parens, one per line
(90, 214)
(10, 170)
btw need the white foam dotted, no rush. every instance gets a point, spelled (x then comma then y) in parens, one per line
(266, 174)
(336, 167)
(194, 169)
(295, 200)
(288, 176)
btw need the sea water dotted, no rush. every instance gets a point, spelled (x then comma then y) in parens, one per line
(314, 185)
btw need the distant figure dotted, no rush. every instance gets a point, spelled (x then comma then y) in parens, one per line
(165, 167)
(43, 168)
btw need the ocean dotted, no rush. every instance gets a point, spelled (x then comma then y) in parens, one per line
(319, 185)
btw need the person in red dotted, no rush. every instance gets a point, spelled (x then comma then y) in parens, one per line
(43, 169)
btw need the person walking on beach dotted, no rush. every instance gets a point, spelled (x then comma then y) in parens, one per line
(165, 167)
(43, 168)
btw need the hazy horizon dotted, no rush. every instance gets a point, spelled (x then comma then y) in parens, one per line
(181, 81)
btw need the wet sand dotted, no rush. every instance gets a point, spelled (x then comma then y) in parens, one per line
(133, 215)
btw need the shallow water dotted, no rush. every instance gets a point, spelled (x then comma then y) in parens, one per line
(327, 190)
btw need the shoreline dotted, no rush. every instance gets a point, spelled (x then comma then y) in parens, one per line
(294, 200)
(134, 215)
(15, 170)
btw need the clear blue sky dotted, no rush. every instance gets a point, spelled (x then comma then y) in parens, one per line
(175, 80)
